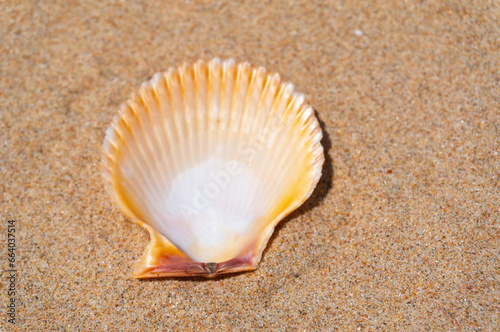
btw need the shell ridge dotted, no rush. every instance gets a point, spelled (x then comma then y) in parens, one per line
(159, 129)
(146, 161)
(157, 134)
(213, 102)
(184, 86)
(187, 87)
(262, 104)
(230, 91)
(287, 117)
(124, 130)
(148, 127)
(269, 107)
(246, 113)
(300, 113)
(272, 127)
(167, 127)
(176, 118)
(246, 117)
(186, 114)
(215, 85)
(228, 82)
(119, 200)
(283, 164)
(218, 123)
(275, 119)
(201, 98)
(247, 80)
(233, 115)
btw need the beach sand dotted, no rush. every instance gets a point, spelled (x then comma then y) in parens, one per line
(401, 233)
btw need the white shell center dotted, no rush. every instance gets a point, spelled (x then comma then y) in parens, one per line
(210, 207)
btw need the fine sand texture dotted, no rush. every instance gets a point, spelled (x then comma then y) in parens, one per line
(401, 233)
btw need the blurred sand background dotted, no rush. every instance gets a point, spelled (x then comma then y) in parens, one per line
(401, 234)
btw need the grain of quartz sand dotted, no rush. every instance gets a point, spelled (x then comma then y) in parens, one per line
(401, 232)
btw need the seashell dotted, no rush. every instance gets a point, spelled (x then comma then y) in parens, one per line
(209, 157)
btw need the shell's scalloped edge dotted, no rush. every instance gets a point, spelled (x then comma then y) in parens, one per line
(308, 120)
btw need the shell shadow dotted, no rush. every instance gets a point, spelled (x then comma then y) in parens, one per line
(322, 189)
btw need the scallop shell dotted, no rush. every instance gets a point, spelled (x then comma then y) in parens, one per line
(209, 157)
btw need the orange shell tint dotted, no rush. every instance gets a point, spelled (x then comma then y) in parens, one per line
(209, 157)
